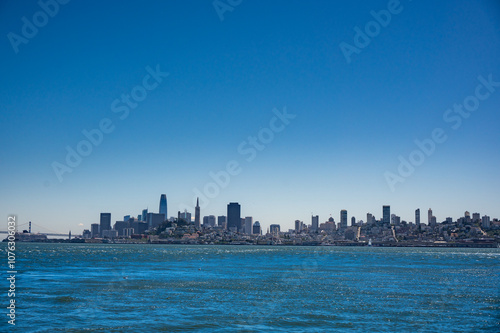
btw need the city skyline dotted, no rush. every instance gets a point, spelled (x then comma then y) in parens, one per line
(236, 223)
(291, 109)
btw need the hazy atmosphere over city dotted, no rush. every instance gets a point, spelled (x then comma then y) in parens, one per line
(290, 108)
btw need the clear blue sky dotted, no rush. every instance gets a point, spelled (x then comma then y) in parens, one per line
(225, 78)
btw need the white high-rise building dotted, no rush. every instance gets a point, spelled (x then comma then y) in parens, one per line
(248, 225)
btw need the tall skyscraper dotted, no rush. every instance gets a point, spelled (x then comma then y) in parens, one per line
(144, 215)
(197, 222)
(163, 205)
(248, 225)
(485, 222)
(233, 216)
(105, 223)
(353, 221)
(343, 218)
(299, 226)
(417, 216)
(429, 216)
(94, 230)
(315, 223)
(369, 218)
(386, 213)
(221, 221)
(256, 228)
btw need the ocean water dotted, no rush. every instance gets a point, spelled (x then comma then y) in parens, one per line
(169, 288)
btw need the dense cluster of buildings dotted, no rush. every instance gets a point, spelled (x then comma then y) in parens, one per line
(235, 229)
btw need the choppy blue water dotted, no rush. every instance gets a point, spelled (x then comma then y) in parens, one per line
(144, 288)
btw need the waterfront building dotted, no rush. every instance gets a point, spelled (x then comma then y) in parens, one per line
(86, 234)
(120, 226)
(349, 234)
(109, 234)
(139, 227)
(94, 230)
(128, 232)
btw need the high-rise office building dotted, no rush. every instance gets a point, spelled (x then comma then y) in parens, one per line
(94, 230)
(256, 228)
(343, 218)
(386, 213)
(476, 217)
(120, 226)
(369, 218)
(299, 225)
(417, 216)
(315, 223)
(353, 221)
(155, 220)
(467, 217)
(105, 223)
(429, 216)
(274, 228)
(197, 221)
(144, 215)
(485, 222)
(221, 221)
(433, 221)
(233, 216)
(163, 205)
(248, 225)
(209, 221)
(184, 216)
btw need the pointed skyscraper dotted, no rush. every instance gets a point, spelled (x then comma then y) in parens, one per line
(163, 205)
(197, 214)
